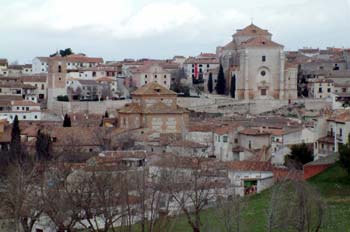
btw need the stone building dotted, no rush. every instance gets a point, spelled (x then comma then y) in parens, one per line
(154, 107)
(256, 66)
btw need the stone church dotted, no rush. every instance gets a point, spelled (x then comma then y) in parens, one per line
(255, 66)
(154, 107)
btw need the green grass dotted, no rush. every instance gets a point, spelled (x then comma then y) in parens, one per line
(333, 184)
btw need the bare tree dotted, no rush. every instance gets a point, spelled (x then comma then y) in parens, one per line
(154, 201)
(296, 206)
(229, 213)
(193, 189)
(20, 197)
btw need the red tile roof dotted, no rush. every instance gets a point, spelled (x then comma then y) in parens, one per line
(249, 166)
(260, 42)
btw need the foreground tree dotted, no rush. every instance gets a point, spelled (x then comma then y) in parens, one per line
(221, 82)
(194, 191)
(20, 198)
(306, 209)
(344, 155)
(229, 213)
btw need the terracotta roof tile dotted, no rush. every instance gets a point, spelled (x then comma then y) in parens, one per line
(260, 42)
(252, 30)
(249, 166)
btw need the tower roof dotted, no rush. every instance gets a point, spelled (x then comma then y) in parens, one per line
(252, 30)
(153, 88)
(260, 42)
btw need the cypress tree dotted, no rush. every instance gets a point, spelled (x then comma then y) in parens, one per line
(15, 144)
(233, 86)
(66, 121)
(210, 83)
(43, 146)
(221, 82)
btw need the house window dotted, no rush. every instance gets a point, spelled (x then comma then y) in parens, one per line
(344, 90)
(263, 92)
(36, 116)
(320, 90)
(263, 58)
(250, 144)
(59, 68)
(164, 76)
(263, 73)
(24, 117)
(146, 76)
(208, 65)
(340, 131)
(225, 138)
(165, 82)
(218, 138)
(155, 76)
(236, 140)
(42, 86)
(328, 90)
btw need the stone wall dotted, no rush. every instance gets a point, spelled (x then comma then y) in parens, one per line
(95, 107)
(229, 106)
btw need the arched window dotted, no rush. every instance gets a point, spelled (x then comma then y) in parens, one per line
(59, 68)
(263, 58)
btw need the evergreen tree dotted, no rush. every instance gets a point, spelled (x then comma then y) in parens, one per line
(210, 83)
(301, 154)
(344, 155)
(43, 146)
(101, 123)
(233, 86)
(15, 144)
(66, 121)
(221, 82)
(106, 114)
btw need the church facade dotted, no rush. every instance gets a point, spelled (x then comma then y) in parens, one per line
(256, 68)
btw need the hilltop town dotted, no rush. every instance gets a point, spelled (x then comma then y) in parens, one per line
(116, 144)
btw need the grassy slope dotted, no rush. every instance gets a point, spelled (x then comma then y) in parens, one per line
(333, 184)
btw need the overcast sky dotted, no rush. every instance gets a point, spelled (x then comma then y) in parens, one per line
(117, 29)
